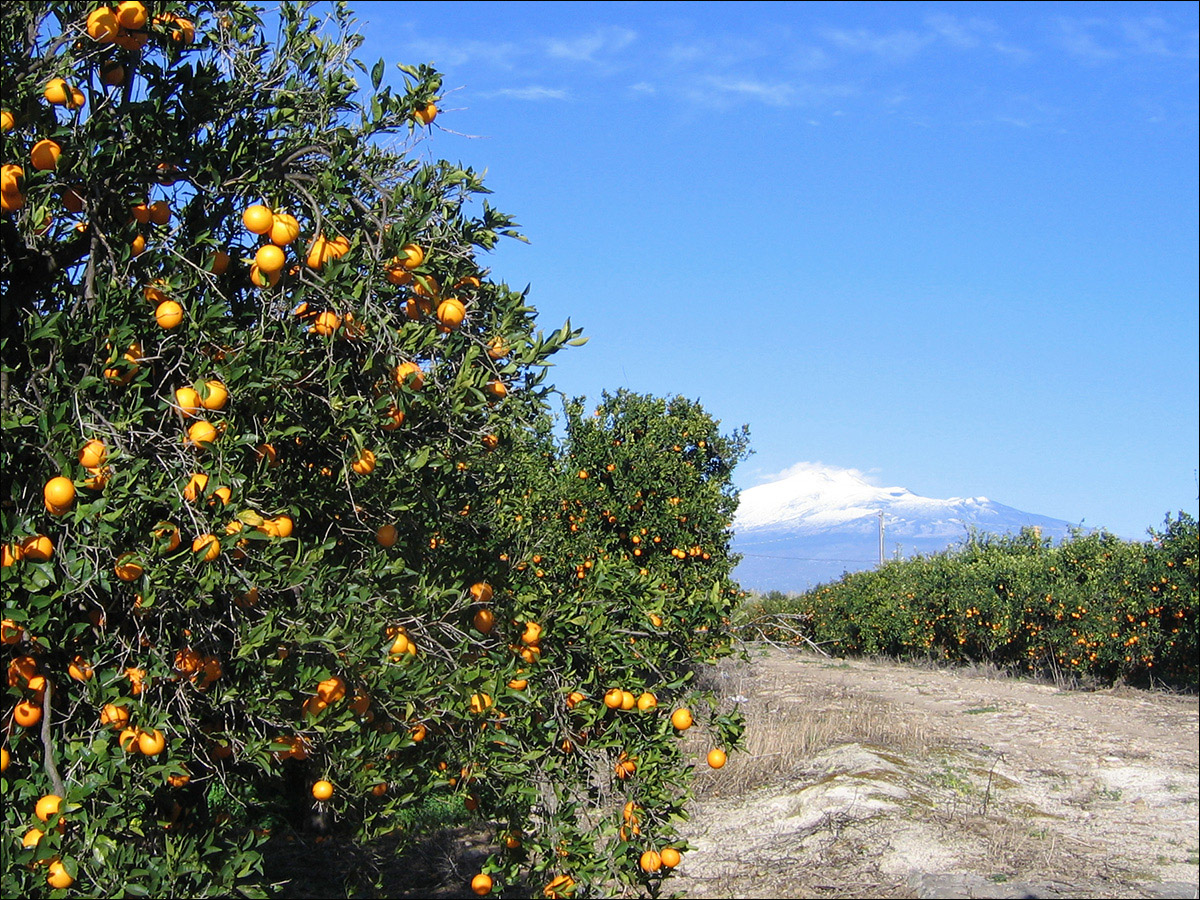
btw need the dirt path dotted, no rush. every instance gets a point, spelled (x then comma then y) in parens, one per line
(874, 779)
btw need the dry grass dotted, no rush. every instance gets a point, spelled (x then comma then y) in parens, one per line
(785, 728)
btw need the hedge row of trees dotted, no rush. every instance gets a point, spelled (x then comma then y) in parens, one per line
(1093, 607)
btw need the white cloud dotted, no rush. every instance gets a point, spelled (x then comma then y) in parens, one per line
(461, 53)
(602, 41)
(896, 45)
(533, 92)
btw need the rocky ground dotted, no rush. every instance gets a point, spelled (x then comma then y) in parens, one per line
(873, 779)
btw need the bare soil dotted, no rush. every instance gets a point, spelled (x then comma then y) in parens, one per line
(875, 779)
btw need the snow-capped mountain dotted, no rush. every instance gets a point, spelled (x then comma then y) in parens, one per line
(819, 521)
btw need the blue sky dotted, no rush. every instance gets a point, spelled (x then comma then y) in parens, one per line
(952, 245)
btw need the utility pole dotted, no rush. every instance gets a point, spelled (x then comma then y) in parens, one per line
(881, 537)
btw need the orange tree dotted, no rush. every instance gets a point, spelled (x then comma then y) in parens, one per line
(278, 471)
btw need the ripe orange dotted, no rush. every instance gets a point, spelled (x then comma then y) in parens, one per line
(484, 621)
(481, 884)
(490, 442)
(102, 25)
(411, 256)
(426, 114)
(331, 690)
(284, 229)
(57, 92)
(93, 454)
(326, 323)
(59, 492)
(195, 487)
(451, 313)
(132, 15)
(38, 548)
(114, 716)
(716, 757)
(650, 861)
(127, 740)
(47, 806)
(168, 315)
(322, 790)
(646, 701)
(10, 632)
(44, 155)
(481, 592)
(80, 669)
(682, 718)
(214, 395)
(11, 177)
(219, 262)
(57, 875)
(628, 701)
(151, 744)
(670, 857)
(532, 633)
(497, 389)
(269, 259)
(127, 567)
(160, 212)
(33, 836)
(188, 401)
(201, 434)
(7, 121)
(27, 713)
(480, 703)
(258, 219)
(612, 698)
(208, 545)
(364, 463)
(409, 374)
(386, 535)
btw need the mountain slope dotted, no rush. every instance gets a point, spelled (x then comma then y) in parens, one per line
(818, 521)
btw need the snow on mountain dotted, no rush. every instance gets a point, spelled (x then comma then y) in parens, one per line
(818, 521)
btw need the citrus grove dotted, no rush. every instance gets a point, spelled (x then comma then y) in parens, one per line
(291, 543)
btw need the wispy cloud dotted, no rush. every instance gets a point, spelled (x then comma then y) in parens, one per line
(533, 92)
(602, 42)
(1100, 40)
(460, 53)
(1078, 39)
(895, 45)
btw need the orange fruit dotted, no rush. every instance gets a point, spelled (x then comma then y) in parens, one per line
(451, 313)
(7, 121)
(364, 463)
(11, 177)
(5, 759)
(132, 15)
(386, 535)
(326, 323)
(160, 212)
(195, 487)
(481, 592)
(322, 790)
(393, 418)
(27, 713)
(411, 256)
(201, 433)
(284, 229)
(480, 703)
(10, 632)
(650, 861)
(258, 219)
(481, 884)
(532, 633)
(59, 492)
(628, 701)
(269, 259)
(44, 155)
(647, 701)
(57, 875)
(57, 92)
(681, 719)
(114, 716)
(38, 548)
(716, 757)
(127, 740)
(214, 396)
(331, 690)
(168, 315)
(409, 374)
(32, 837)
(151, 743)
(127, 568)
(80, 669)
(102, 25)
(670, 857)
(219, 262)
(518, 684)
(112, 73)
(490, 442)
(209, 545)
(395, 271)
(612, 698)
(484, 621)
(497, 389)
(93, 454)
(426, 114)
(47, 806)
(188, 401)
